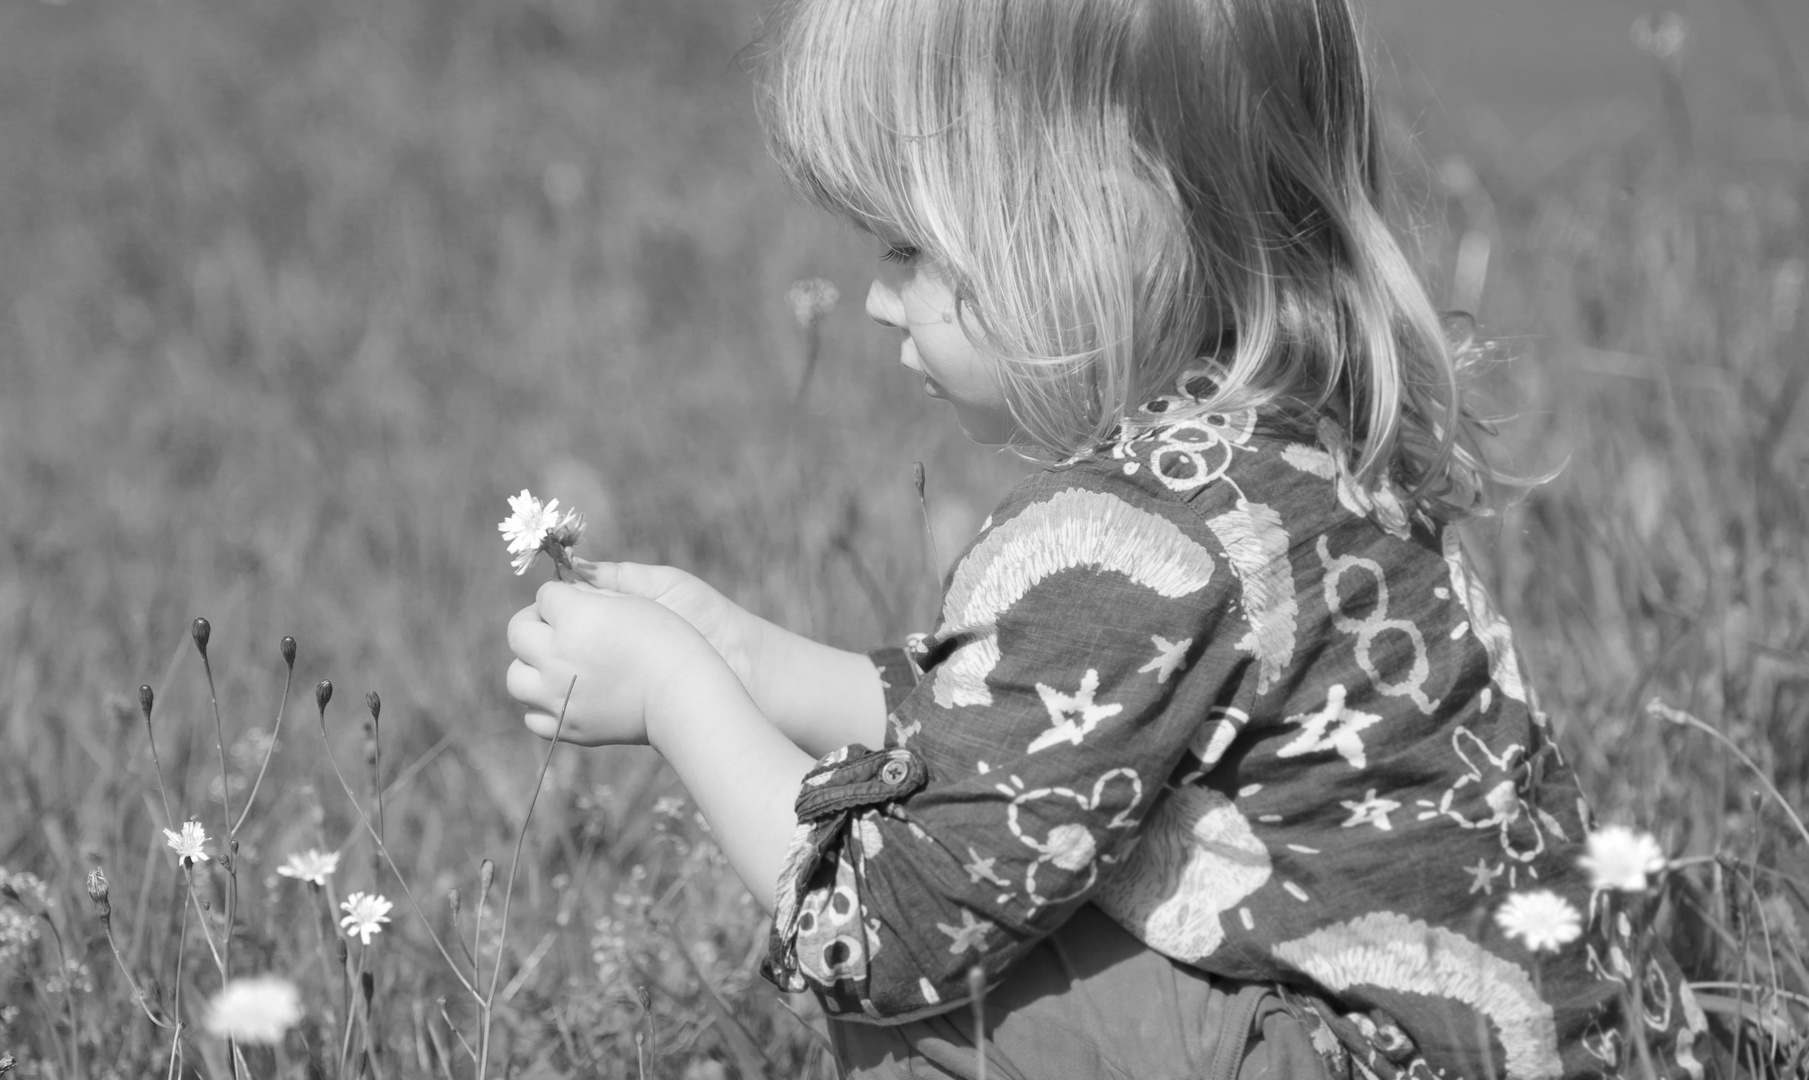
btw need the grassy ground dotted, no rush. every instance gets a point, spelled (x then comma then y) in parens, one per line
(296, 294)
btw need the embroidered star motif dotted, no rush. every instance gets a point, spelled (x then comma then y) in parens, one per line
(1482, 877)
(1331, 728)
(1371, 810)
(1169, 658)
(981, 868)
(1086, 715)
(969, 936)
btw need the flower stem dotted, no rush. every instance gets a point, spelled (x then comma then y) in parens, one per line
(509, 888)
(281, 708)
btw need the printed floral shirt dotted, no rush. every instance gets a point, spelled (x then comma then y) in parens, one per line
(1263, 719)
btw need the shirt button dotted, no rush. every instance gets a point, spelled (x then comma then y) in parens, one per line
(894, 772)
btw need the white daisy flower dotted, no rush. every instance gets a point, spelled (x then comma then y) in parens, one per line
(1543, 920)
(811, 299)
(526, 527)
(1617, 857)
(187, 844)
(258, 1009)
(365, 914)
(312, 866)
(534, 528)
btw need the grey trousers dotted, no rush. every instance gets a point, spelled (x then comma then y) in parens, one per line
(1092, 1001)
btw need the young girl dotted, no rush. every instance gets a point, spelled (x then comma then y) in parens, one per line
(1218, 760)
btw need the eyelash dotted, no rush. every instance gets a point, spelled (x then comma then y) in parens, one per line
(899, 254)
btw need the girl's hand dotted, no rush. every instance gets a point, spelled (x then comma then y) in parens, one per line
(735, 633)
(626, 653)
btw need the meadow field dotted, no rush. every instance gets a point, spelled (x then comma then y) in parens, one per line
(294, 295)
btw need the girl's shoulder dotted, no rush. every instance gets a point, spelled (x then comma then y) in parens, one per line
(1262, 461)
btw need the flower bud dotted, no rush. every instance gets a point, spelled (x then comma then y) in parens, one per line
(917, 477)
(145, 700)
(374, 704)
(97, 890)
(453, 896)
(202, 630)
(6, 1063)
(323, 693)
(287, 646)
(486, 873)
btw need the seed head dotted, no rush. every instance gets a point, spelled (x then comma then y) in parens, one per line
(323, 693)
(374, 704)
(6, 1063)
(97, 890)
(201, 630)
(917, 477)
(146, 699)
(486, 873)
(287, 646)
(453, 896)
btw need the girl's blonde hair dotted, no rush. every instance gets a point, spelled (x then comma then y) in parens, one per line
(1116, 189)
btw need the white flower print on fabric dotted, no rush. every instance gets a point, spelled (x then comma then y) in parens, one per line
(1497, 779)
(1393, 952)
(1075, 528)
(970, 936)
(1197, 859)
(1333, 727)
(1069, 846)
(1412, 684)
(1257, 545)
(1072, 716)
(1382, 505)
(1488, 626)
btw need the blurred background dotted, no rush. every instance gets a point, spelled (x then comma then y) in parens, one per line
(293, 295)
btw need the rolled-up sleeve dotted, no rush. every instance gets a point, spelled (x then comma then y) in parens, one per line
(1028, 737)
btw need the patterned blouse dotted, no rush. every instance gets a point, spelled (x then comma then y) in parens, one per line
(1267, 721)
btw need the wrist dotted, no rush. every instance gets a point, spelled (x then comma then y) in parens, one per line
(699, 683)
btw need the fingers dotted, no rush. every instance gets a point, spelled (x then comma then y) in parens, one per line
(554, 600)
(529, 637)
(638, 579)
(526, 685)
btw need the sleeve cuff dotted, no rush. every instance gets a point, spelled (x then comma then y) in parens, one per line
(846, 780)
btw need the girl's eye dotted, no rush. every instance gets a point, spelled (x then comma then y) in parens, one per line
(899, 253)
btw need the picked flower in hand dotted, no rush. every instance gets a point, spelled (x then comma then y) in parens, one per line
(533, 528)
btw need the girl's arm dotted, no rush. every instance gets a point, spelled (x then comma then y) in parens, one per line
(819, 696)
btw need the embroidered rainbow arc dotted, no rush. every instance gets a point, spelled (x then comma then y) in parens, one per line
(1074, 528)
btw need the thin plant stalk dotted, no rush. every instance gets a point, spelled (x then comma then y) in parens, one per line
(175, 1045)
(146, 699)
(502, 933)
(1677, 716)
(75, 1020)
(364, 819)
(224, 959)
(275, 731)
(976, 991)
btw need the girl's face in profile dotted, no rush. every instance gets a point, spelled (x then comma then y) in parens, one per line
(912, 298)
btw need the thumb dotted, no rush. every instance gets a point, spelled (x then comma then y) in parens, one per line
(635, 579)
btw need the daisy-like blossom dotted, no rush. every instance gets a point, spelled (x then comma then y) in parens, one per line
(1542, 920)
(365, 914)
(312, 866)
(1617, 857)
(811, 299)
(258, 1009)
(528, 523)
(534, 528)
(187, 844)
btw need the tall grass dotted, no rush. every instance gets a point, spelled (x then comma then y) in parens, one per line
(296, 294)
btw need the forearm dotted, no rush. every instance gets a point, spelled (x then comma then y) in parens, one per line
(819, 696)
(741, 770)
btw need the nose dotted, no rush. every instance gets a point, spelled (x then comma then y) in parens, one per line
(883, 305)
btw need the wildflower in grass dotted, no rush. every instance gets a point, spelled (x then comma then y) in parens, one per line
(1542, 920)
(365, 914)
(188, 844)
(74, 978)
(312, 866)
(18, 933)
(27, 888)
(811, 299)
(258, 1009)
(532, 528)
(1617, 857)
